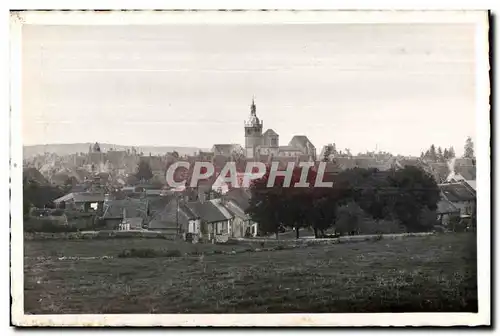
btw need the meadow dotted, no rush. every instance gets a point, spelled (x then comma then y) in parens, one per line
(416, 274)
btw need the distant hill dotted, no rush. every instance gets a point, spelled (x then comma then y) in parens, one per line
(66, 149)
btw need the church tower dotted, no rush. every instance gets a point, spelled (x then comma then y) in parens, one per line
(253, 132)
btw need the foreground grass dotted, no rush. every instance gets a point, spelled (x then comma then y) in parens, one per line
(436, 273)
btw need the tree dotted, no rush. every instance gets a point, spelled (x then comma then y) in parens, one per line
(26, 209)
(451, 153)
(469, 148)
(432, 153)
(439, 154)
(132, 180)
(412, 190)
(349, 218)
(144, 172)
(237, 155)
(446, 155)
(281, 205)
(327, 153)
(323, 211)
(175, 154)
(374, 197)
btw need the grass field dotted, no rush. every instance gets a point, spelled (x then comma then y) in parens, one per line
(415, 274)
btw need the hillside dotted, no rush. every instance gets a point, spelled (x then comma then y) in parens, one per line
(65, 149)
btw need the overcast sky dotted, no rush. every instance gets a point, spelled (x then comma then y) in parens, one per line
(397, 88)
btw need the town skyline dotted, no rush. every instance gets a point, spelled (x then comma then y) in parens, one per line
(364, 87)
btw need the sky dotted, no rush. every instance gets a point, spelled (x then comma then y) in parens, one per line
(391, 87)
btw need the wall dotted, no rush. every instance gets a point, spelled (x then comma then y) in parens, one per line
(465, 207)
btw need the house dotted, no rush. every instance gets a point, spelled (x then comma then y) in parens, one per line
(227, 149)
(461, 196)
(242, 225)
(175, 218)
(205, 219)
(211, 218)
(82, 201)
(305, 145)
(129, 213)
(445, 210)
(240, 197)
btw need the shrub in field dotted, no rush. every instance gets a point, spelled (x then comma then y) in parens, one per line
(149, 253)
(138, 253)
(173, 253)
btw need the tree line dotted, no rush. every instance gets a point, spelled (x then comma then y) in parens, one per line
(408, 195)
(443, 155)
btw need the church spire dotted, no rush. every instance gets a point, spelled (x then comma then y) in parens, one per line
(253, 109)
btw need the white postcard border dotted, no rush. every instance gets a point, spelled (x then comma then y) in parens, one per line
(255, 17)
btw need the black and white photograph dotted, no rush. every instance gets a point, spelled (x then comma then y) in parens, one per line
(274, 168)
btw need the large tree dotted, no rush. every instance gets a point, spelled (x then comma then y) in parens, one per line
(439, 154)
(446, 155)
(412, 191)
(432, 153)
(469, 148)
(144, 172)
(451, 152)
(281, 205)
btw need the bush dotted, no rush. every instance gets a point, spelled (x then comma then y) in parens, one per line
(454, 223)
(149, 253)
(173, 253)
(46, 225)
(428, 219)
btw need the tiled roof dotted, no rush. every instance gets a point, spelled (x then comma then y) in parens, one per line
(226, 149)
(457, 192)
(116, 158)
(472, 184)
(269, 132)
(223, 210)
(467, 171)
(445, 207)
(345, 163)
(81, 197)
(240, 196)
(132, 207)
(207, 211)
(464, 162)
(168, 218)
(300, 140)
(439, 171)
(233, 207)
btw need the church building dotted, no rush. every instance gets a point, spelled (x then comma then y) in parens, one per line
(267, 143)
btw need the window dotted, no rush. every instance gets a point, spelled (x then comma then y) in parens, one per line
(221, 228)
